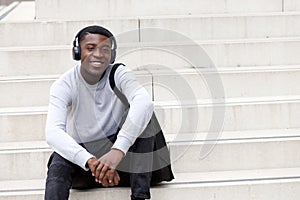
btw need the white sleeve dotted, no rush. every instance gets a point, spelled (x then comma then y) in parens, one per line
(140, 112)
(56, 136)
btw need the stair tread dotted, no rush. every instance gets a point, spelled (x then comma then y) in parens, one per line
(231, 101)
(205, 179)
(237, 135)
(235, 176)
(23, 110)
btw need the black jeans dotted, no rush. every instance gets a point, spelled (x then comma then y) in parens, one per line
(63, 175)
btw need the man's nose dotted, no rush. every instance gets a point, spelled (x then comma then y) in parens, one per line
(98, 52)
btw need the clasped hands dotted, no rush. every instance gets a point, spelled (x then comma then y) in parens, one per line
(104, 168)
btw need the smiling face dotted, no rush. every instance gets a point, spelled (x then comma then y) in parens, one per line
(95, 56)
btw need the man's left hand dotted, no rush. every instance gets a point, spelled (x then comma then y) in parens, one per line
(107, 165)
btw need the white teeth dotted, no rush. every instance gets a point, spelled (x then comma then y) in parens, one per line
(97, 62)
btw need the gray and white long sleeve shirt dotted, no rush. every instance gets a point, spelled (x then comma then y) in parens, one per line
(79, 113)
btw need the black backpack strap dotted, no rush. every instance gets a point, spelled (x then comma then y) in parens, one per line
(112, 75)
(113, 84)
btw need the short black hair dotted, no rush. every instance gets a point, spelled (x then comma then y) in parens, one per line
(95, 29)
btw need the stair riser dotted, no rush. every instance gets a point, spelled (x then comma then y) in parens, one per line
(236, 118)
(58, 33)
(291, 5)
(22, 127)
(173, 120)
(212, 54)
(56, 61)
(36, 92)
(25, 93)
(261, 154)
(208, 28)
(172, 86)
(199, 84)
(24, 165)
(229, 156)
(219, 27)
(143, 8)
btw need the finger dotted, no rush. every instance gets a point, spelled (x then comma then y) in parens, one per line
(104, 182)
(103, 172)
(110, 175)
(116, 178)
(93, 167)
(98, 171)
(110, 183)
(119, 178)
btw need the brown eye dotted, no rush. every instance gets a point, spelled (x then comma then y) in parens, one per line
(90, 48)
(105, 50)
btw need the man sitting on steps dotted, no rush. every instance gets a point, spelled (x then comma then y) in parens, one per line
(98, 140)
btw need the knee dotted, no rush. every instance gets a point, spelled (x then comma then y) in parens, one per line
(59, 172)
(59, 169)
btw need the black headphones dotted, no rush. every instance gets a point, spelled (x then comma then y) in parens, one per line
(94, 30)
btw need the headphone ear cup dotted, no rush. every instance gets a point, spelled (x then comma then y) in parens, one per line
(76, 53)
(113, 56)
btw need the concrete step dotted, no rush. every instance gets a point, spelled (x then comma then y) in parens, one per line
(120, 8)
(36, 143)
(24, 161)
(262, 187)
(198, 83)
(170, 85)
(220, 26)
(228, 151)
(212, 53)
(23, 124)
(209, 27)
(25, 92)
(230, 155)
(186, 156)
(229, 114)
(208, 116)
(49, 60)
(291, 5)
(275, 184)
(58, 32)
(34, 90)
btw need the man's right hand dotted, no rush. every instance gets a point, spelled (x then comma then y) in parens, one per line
(92, 164)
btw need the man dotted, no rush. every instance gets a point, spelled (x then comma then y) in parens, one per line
(90, 149)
